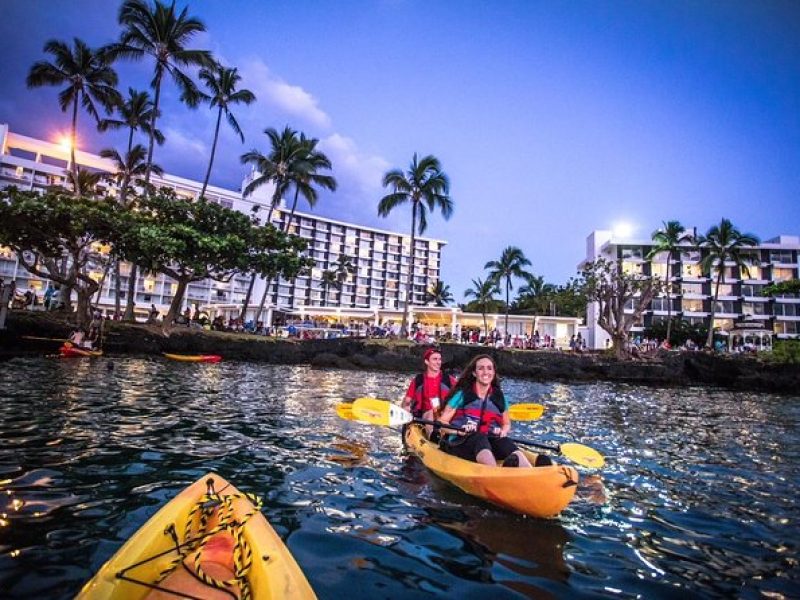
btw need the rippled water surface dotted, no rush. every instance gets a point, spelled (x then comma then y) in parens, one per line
(698, 499)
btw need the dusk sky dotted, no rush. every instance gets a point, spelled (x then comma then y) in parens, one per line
(551, 119)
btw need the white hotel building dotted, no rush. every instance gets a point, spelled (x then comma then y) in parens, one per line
(381, 257)
(741, 309)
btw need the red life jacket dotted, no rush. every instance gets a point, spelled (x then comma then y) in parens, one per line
(472, 408)
(422, 399)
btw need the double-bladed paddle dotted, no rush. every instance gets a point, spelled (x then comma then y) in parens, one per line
(382, 412)
(517, 412)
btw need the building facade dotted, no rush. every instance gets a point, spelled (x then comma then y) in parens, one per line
(740, 305)
(381, 258)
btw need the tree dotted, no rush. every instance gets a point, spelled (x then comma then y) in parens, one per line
(329, 280)
(58, 237)
(535, 296)
(335, 278)
(512, 264)
(790, 288)
(136, 112)
(314, 160)
(722, 244)
(192, 241)
(426, 187)
(669, 240)
(159, 32)
(483, 292)
(439, 293)
(614, 290)
(222, 82)
(89, 80)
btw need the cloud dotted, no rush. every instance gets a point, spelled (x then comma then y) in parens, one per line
(292, 99)
(358, 169)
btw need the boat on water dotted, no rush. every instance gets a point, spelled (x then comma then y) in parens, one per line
(539, 491)
(181, 551)
(69, 350)
(205, 358)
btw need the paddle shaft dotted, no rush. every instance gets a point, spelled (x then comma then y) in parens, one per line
(555, 449)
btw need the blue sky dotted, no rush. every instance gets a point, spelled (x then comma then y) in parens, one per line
(552, 119)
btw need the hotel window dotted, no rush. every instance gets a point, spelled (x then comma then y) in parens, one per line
(725, 289)
(631, 252)
(631, 268)
(659, 304)
(786, 310)
(691, 270)
(754, 308)
(781, 256)
(658, 270)
(723, 324)
(751, 289)
(690, 256)
(692, 288)
(693, 305)
(752, 272)
(779, 274)
(725, 306)
(787, 327)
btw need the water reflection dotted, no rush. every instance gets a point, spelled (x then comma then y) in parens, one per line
(698, 496)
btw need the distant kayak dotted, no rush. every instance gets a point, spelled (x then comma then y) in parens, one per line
(69, 350)
(539, 492)
(207, 358)
(209, 536)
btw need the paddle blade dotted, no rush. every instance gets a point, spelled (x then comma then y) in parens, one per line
(526, 412)
(380, 412)
(583, 455)
(345, 411)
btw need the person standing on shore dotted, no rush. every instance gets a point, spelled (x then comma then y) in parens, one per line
(425, 392)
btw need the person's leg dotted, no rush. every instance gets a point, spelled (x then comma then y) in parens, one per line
(504, 448)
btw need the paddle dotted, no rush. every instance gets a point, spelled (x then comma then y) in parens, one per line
(381, 412)
(517, 412)
(47, 339)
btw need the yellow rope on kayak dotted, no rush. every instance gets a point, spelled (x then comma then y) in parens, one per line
(192, 547)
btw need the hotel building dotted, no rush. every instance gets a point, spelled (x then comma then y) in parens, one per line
(381, 258)
(740, 305)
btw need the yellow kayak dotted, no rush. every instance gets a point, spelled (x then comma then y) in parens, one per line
(201, 520)
(539, 492)
(207, 358)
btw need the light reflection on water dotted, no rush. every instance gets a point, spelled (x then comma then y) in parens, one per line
(88, 453)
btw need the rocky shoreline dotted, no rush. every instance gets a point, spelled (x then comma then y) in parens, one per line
(666, 369)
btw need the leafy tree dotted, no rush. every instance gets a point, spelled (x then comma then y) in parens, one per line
(535, 296)
(222, 82)
(669, 240)
(88, 78)
(483, 292)
(439, 293)
(56, 236)
(512, 264)
(426, 187)
(680, 331)
(604, 282)
(192, 241)
(790, 287)
(160, 33)
(722, 244)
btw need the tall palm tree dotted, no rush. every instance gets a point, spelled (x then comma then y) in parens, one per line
(439, 293)
(329, 280)
(669, 239)
(222, 82)
(304, 182)
(483, 292)
(133, 164)
(512, 264)
(724, 243)
(284, 164)
(425, 186)
(162, 34)
(85, 182)
(135, 112)
(89, 81)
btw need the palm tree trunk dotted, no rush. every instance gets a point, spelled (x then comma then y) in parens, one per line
(213, 151)
(72, 142)
(294, 206)
(710, 339)
(130, 301)
(117, 290)
(404, 322)
(669, 301)
(485, 325)
(263, 299)
(246, 302)
(152, 132)
(508, 293)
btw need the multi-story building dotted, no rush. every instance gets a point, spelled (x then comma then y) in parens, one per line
(739, 305)
(381, 258)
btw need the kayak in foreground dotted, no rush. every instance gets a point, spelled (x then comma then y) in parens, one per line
(206, 358)
(539, 491)
(68, 350)
(209, 536)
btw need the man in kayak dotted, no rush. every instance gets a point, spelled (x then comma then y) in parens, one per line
(476, 405)
(425, 392)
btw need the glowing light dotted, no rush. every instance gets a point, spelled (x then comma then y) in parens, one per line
(65, 142)
(623, 230)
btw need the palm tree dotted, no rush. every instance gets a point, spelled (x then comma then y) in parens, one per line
(483, 292)
(284, 164)
(133, 164)
(535, 294)
(439, 293)
(222, 82)
(85, 182)
(426, 187)
(329, 280)
(669, 239)
(724, 243)
(136, 112)
(88, 77)
(511, 264)
(159, 32)
(304, 182)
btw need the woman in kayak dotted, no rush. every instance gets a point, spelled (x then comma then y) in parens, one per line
(477, 406)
